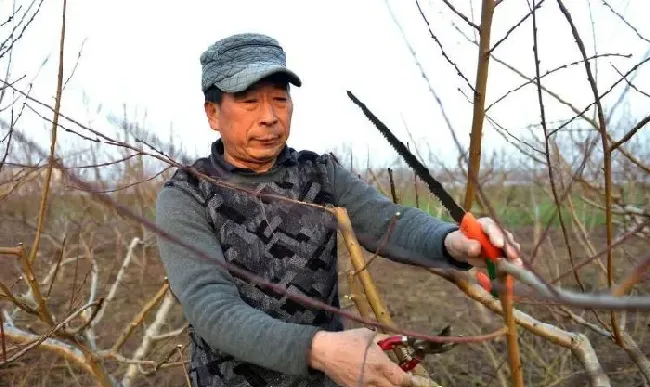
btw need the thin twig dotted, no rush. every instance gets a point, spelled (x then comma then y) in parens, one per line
(180, 355)
(514, 27)
(607, 159)
(442, 50)
(635, 276)
(391, 182)
(461, 15)
(47, 335)
(56, 267)
(2, 333)
(625, 21)
(622, 239)
(630, 133)
(547, 140)
(391, 226)
(552, 71)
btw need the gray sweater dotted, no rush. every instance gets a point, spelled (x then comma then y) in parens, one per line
(209, 296)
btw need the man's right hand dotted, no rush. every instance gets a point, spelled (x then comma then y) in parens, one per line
(342, 356)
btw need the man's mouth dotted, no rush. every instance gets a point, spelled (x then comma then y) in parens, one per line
(267, 140)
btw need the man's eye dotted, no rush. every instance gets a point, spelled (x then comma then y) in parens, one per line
(250, 101)
(281, 99)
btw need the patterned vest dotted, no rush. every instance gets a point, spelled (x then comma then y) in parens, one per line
(285, 243)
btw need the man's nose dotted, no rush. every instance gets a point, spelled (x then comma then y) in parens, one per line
(268, 116)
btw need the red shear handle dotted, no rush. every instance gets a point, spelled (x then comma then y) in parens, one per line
(484, 281)
(391, 342)
(409, 364)
(472, 229)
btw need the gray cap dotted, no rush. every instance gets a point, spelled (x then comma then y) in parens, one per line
(234, 63)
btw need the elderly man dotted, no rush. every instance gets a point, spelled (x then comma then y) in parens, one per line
(243, 334)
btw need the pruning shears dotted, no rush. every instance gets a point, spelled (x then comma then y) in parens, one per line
(466, 221)
(415, 349)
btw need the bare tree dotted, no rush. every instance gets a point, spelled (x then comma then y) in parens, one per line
(89, 291)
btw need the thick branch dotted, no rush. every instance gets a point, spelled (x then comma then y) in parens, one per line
(152, 330)
(479, 102)
(577, 343)
(372, 294)
(55, 121)
(567, 297)
(139, 318)
(118, 279)
(35, 289)
(54, 345)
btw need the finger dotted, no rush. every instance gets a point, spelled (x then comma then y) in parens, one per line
(461, 247)
(380, 336)
(408, 381)
(473, 248)
(511, 242)
(370, 332)
(468, 247)
(419, 381)
(394, 374)
(379, 380)
(512, 253)
(477, 262)
(494, 233)
(518, 262)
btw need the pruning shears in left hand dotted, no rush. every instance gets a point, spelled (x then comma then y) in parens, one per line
(415, 349)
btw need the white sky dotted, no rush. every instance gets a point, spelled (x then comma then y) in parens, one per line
(145, 54)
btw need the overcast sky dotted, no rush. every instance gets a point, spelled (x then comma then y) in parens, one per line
(145, 54)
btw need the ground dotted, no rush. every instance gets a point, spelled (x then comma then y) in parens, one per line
(417, 300)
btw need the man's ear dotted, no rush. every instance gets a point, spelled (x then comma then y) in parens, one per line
(212, 113)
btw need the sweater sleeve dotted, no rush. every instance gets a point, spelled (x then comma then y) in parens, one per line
(416, 236)
(209, 296)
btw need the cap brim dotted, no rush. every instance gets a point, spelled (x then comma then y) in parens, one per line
(252, 74)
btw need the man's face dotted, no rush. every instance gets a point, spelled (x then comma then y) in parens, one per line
(254, 124)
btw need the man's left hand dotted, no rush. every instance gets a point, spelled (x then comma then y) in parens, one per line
(468, 250)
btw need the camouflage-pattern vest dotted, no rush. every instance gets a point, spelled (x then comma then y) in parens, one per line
(285, 243)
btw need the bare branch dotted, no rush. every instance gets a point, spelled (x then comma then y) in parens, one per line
(152, 330)
(55, 120)
(35, 343)
(478, 114)
(514, 27)
(547, 140)
(139, 318)
(607, 158)
(442, 50)
(578, 344)
(552, 71)
(118, 279)
(461, 15)
(625, 21)
(630, 133)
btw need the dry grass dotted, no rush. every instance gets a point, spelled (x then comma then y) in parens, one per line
(416, 299)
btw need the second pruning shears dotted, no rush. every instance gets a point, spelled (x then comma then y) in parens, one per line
(466, 221)
(415, 349)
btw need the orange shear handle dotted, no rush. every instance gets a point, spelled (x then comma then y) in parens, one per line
(472, 229)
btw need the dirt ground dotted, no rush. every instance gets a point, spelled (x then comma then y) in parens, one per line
(417, 300)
